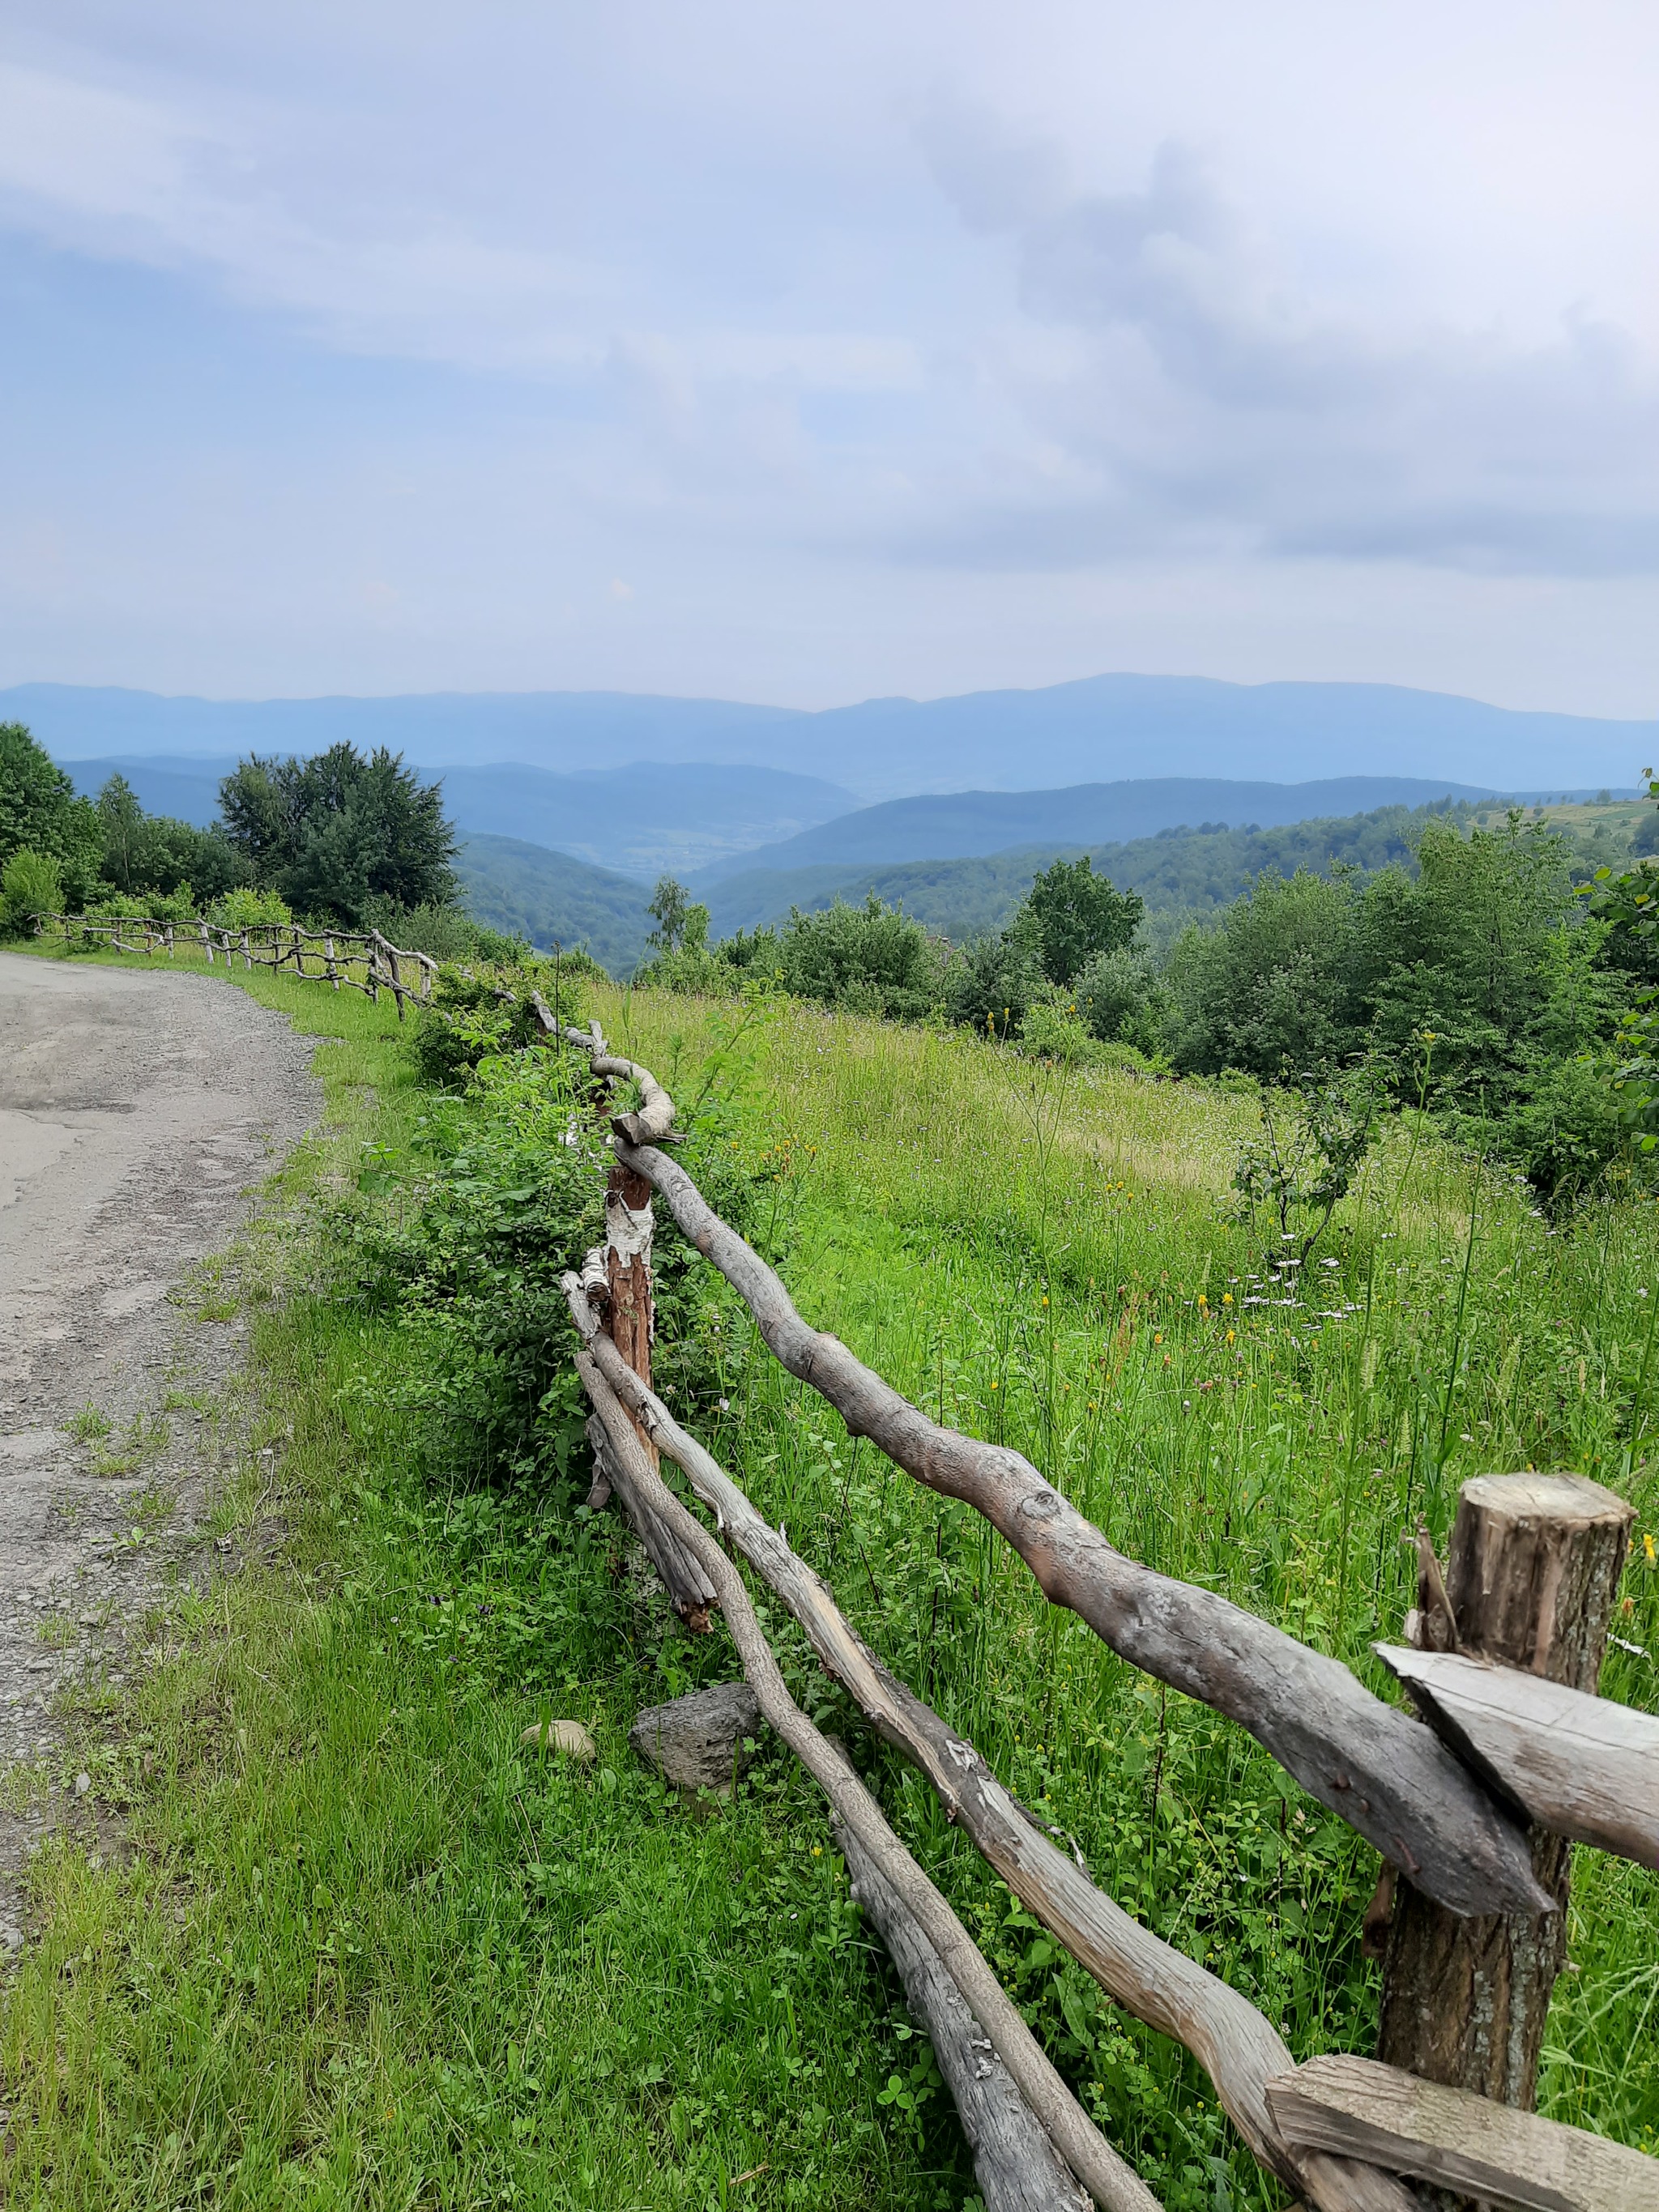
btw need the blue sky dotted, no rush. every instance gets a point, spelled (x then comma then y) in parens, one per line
(808, 353)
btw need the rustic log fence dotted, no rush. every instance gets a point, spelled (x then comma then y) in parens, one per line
(351, 960)
(1473, 1814)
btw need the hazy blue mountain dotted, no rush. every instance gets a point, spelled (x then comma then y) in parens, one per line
(1101, 730)
(552, 899)
(965, 824)
(564, 730)
(678, 818)
(1108, 727)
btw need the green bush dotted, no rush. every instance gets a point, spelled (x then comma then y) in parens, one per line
(31, 884)
(990, 983)
(478, 1013)
(246, 908)
(1053, 1030)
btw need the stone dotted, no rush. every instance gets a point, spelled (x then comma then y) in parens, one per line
(697, 1742)
(568, 1736)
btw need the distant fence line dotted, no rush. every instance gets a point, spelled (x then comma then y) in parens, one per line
(1473, 1814)
(350, 960)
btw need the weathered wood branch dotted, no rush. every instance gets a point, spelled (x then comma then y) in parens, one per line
(1113, 2184)
(690, 1592)
(1017, 2168)
(1238, 2048)
(652, 1123)
(1391, 1779)
(1459, 2140)
(1580, 1766)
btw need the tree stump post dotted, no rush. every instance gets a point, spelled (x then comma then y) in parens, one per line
(1532, 1570)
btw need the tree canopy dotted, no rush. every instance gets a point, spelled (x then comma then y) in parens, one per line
(338, 834)
(40, 813)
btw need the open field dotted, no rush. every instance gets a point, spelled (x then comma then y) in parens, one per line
(363, 1952)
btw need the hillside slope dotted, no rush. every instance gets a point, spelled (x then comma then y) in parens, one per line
(551, 899)
(965, 824)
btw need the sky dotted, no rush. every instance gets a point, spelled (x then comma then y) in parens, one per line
(809, 352)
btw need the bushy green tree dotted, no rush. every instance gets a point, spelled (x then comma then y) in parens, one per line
(155, 853)
(1270, 984)
(338, 830)
(681, 924)
(868, 959)
(992, 983)
(1074, 914)
(38, 809)
(1119, 996)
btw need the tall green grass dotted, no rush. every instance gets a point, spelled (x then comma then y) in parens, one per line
(1046, 1258)
(368, 1953)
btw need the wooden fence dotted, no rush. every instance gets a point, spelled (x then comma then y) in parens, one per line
(349, 960)
(1473, 1814)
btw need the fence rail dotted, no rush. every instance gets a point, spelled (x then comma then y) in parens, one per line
(350, 960)
(1463, 1809)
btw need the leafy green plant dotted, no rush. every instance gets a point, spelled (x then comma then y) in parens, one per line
(1315, 1133)
(245, 908)
(31, 885)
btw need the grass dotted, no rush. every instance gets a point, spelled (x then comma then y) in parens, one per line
(364, 1950)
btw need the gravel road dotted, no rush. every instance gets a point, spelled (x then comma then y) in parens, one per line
(136, 1108)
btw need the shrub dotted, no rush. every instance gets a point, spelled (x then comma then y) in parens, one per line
(246, 908)
(31, 884)
(444, 934)
(991, 982)
(1118, 996)
(468, 1019)
(868, 959)
(1053, 1030)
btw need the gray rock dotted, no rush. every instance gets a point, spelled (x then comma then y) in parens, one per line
(697, 1742)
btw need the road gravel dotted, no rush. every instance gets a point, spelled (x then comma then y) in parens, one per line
(137, 1109)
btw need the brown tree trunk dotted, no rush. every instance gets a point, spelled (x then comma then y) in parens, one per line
(1534, 1567)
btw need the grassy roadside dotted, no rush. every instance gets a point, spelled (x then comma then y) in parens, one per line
(363, 1950)
(365, 1954)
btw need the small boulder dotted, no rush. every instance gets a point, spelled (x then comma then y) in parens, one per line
(568, 1736)
(697, 1742)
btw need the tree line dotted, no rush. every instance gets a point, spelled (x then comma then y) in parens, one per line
(1471, 977)
(354, 839)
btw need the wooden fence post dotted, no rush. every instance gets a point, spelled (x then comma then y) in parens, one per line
(1534, 1567)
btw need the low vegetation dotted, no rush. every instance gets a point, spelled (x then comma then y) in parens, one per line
(362, 1947)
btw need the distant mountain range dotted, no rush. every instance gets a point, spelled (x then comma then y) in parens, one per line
(965, 824)
(677, 818)
(1101, 730)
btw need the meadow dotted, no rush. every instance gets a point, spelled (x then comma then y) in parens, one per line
(363, 1949)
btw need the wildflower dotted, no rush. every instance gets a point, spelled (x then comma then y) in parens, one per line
(817, 1851)
(1232, 1336)
(1158, 1336)
(1647, 1548)
(1045, 1302)
(1226, 1297)
(995, 1386)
